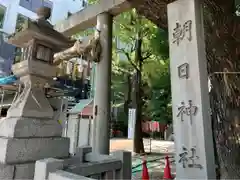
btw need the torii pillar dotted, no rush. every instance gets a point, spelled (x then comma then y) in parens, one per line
(102, 97)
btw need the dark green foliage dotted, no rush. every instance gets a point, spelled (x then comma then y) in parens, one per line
(160, 102)
(160, 44)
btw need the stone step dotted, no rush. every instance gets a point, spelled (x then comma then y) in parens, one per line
(16, 151)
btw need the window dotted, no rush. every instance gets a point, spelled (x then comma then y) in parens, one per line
(84, 3)
(43, 53)
(33, 5)
(26, 4)
(2, 15)
(21, 19)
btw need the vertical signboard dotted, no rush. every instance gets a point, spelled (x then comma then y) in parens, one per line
(190, 98)
(131, 123)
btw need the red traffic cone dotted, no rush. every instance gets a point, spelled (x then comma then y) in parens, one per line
(167, 170)
(145, 175)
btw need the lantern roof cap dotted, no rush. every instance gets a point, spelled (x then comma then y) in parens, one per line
(42, 30)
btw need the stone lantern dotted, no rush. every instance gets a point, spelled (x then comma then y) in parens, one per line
(39, 42)
(29, 132)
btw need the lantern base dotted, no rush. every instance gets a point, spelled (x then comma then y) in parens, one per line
(32, 102)
(20, 127)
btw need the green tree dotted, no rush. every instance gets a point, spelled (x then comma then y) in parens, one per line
(159, 44)
(158, 75)
(121, 84)
(135, 33)
(159, 106)
(121, 90)
(90, 2)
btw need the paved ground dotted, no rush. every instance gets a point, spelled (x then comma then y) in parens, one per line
(156, 145)
(156, 162)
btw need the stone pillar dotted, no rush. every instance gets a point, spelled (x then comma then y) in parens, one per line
(190, 98)
(102, 97)
(29, 132)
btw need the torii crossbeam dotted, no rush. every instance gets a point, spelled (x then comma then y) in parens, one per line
(87, 17)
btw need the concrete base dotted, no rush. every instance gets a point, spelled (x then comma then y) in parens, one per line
(16, 151)
(63, 175)
(18, 155)
(17, 172)
(20, 127)
(24, 140)
(45, 166)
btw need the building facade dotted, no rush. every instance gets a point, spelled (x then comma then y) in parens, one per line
(13, 14)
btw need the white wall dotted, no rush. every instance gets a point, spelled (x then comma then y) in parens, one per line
(79, 132)
(72, 132)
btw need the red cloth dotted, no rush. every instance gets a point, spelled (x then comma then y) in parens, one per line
(153, 126)
(156, 126)
(150, 126)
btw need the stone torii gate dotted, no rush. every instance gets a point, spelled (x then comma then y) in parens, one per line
(194, 147)
(100, 15)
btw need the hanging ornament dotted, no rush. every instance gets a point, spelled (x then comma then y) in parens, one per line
(75, 71)
(64, 68)
(237, 6)
(88, 68)
(61, 70)
(69, 66)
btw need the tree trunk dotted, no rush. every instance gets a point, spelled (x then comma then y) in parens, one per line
(222, 40)
(127, 99)
(222, 34)
(137, 101)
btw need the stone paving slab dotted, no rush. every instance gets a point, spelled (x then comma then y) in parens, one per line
(157, 146)
(156, 159)
(155, 167)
